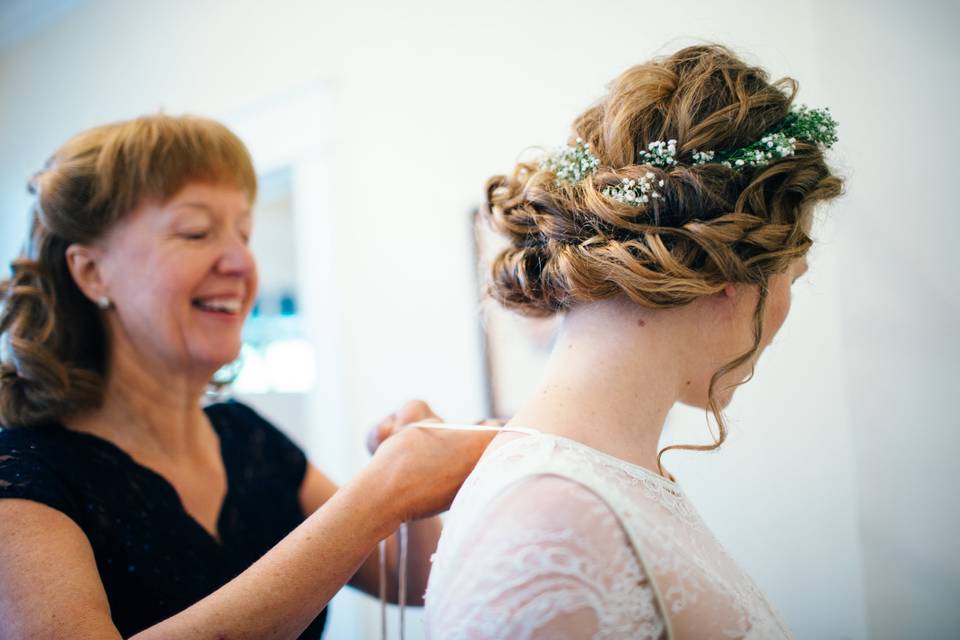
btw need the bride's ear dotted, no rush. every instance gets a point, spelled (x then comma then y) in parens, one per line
(725, 302)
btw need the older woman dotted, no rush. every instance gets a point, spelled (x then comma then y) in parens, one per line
(130, 509)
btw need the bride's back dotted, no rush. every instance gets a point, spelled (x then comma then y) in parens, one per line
(667, 231)
(552, 539)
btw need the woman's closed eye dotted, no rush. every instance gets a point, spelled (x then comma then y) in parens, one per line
(194, 234)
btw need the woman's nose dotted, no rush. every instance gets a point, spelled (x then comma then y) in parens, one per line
(237, 258)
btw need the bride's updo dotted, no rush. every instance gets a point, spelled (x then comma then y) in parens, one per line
(581, 234)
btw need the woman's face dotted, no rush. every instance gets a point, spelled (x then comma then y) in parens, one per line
(736, 333)
(181, 278)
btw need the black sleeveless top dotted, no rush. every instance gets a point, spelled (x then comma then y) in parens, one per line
(154, 559)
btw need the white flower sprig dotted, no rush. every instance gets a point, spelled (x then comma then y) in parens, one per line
(770, 147)
(702, 157)
(814, 126)
(571, 164)
(659, 154)
(635, 192)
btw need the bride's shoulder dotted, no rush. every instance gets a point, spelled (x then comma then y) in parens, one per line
(510, 449)
(529, 481)
(542, 535)
(526, 512)
(512, 455)
(555, 476)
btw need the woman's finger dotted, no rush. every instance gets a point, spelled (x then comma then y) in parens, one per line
(381, 431)
(415, 411)
(411, 411)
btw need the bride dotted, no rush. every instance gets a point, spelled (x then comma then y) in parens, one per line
(668, 234)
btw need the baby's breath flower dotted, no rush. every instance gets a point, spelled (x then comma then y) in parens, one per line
(810, 125)
(571, 164)
(702, 157)
(659, 154)
(634, 192)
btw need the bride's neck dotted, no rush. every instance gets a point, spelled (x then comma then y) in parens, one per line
(613, 376)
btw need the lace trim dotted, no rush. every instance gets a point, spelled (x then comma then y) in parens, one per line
(699, 587)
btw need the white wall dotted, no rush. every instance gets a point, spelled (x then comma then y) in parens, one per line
(900, 303)
(432, 97)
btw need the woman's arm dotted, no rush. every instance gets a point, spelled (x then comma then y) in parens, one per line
(49, 583)
(50, 588)
(423, 536)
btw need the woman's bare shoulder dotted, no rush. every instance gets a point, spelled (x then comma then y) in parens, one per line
(49, 583)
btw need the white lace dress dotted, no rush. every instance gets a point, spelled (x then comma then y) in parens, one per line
(549, 538)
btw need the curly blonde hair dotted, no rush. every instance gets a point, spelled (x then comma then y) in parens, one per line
(711, 225)
(53, 344)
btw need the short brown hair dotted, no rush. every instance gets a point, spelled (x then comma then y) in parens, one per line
(52, 340)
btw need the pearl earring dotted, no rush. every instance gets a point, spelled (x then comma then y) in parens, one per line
(104, 303)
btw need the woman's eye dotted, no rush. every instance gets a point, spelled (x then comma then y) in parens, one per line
(194, 235)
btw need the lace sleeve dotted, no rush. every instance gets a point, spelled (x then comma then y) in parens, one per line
(549, 559)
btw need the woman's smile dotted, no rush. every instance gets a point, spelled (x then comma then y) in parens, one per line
(225, 307)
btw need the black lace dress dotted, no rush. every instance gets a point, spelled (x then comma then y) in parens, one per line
(154, 558)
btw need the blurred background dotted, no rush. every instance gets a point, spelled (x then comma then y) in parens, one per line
(374, 125)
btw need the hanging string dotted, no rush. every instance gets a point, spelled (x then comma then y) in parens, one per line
(383, 588)
(403, 533)
(402, 536)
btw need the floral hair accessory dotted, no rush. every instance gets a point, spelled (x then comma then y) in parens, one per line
(659, 154)
(635, 192)
(809, 125)
(572, 164)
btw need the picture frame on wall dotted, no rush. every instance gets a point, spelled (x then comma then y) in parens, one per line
(515, 347)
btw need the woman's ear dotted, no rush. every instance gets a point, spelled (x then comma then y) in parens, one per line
(724, 304)
(85, 266)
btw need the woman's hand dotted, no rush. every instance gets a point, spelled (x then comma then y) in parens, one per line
(412, 411)
(422, 469)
